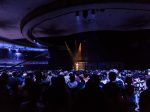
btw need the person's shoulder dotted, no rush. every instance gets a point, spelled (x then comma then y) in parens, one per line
(145, 92)
(108, 84)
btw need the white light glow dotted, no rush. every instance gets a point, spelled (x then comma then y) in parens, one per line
(10, 47)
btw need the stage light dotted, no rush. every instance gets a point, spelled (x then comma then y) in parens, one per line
(76, 66)
(17, 50)
(9, 49)
(18, 54)
(38, 44)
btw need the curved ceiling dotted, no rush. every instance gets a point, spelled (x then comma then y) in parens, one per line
(90, 17)
(11, 14)
(108, 16)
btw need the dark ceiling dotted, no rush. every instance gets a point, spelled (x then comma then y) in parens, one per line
(113, 15)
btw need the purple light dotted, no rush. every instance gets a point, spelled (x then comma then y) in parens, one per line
(9, 49)
(18, 54)
(17, 50)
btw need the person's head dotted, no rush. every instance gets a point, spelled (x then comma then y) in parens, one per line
(38, 76)
(95, 78)
(112, 76)
(85, 75)
(72, 77)
(59, 82)
(30, 74)
(28, 81)
(148, 83)
(93, 83)
(3, 78)
(129, 80)
(15, 74)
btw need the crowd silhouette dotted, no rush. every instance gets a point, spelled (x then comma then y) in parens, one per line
(75, 91)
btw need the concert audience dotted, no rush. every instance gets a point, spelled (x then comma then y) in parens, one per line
(129, 94)
(144, 102)
(73, 91)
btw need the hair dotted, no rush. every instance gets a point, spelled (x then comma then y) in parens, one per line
(128, 80)
(72, 78)
(148, 83)
(112, 76)
(95, 78)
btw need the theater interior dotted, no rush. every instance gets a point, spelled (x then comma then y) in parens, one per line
(77, 39)
(110, 32)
